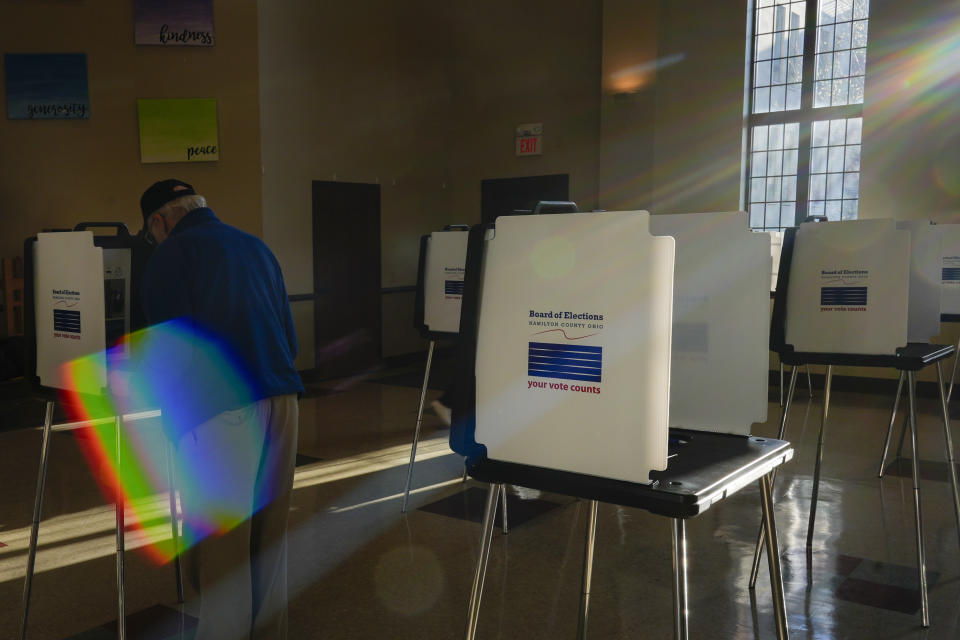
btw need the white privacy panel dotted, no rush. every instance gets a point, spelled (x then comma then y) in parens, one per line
(849, 284)
(950, 268)
(443, 280)
(721, 321)
(923, 318)
(69, 309)
(573, 344)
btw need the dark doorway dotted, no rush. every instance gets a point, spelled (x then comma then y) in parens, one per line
(503, 196)
(346, 277)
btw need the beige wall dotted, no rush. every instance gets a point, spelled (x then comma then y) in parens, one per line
(672, 101)
(911, 139)
(628, 103)
(422, 98)
(55, 173)
(699, 106)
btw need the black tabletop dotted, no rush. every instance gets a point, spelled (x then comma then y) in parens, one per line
(703, 468)
(913, 357)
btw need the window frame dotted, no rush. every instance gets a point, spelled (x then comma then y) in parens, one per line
(805, 115)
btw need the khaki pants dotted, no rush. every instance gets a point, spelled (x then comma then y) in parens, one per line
(235, 475)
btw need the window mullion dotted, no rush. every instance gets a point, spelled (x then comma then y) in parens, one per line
(806, 108)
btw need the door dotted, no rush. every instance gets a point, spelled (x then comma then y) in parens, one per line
(346, 277)
(503, 196)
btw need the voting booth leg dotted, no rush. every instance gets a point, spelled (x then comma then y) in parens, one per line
(503, 496)
(781, 384)
(121, 581)
(174, 524)
(949, 445)
(816, 471)
(680, 627)
(416, 433)
(914, 463)
(589, 546)
(773, 557)
(37, 508)
(486, 535)
(893, 419)
(761, 535)
(809, 381)
(953, 374)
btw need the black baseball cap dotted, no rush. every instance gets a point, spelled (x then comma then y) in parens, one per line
(160, 193)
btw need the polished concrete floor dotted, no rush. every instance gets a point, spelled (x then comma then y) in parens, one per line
(361, 569)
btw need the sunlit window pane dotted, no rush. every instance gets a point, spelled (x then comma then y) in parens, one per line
(778, 56)
(852, 161)
(790, 161)
(849, 210)
(772, 220)
(832, 210)
(835, 167)
(821, 94)
(773, 182)
(856, 90)
(818, 160)
(842, 32)
(854, 130)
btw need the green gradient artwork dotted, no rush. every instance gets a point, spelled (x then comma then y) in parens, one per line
(178, 130)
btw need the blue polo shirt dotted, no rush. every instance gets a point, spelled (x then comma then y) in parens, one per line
(228, 337)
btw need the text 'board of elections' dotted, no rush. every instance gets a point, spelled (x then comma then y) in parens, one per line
(573, 344)
(849, 286)
(69, 308)
(446, 255)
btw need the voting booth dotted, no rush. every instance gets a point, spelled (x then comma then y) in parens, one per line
(440, 272)
(844, 298)
(721, 321)
(950, 285)
(950, 269)
(849, 288)
(564, 335)
(564, 360)
(81, 296)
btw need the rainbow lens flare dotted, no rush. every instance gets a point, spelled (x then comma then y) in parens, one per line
(191, 376)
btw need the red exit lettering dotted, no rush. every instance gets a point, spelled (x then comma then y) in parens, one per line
(529, 145)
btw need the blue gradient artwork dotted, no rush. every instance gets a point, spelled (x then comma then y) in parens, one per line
(47, 86)
(174, 22)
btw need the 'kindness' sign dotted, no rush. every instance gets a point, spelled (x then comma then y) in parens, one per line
(174, 22)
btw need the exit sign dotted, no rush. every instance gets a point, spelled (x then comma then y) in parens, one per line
(529, 139)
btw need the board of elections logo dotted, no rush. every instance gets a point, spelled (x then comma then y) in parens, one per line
(564, 361)
(66, 321)
(843, 296)
(453, 287)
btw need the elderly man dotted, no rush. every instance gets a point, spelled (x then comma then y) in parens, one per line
(235, 451)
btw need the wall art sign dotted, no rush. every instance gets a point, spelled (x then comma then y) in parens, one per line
(174, 22)
(47, 86)
(178, 130)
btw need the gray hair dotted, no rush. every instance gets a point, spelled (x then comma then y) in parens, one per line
(181, 206)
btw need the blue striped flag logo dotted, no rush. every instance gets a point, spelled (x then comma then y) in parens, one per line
(837, 296)
(950, 274)
(66, 321)
(453, 287)
(565, 361)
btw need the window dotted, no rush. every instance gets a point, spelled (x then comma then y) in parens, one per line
(806, 91)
